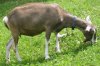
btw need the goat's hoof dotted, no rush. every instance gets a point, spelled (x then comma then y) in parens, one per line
(58, 51)
(19, 59)
(7, 62)
(47, 57)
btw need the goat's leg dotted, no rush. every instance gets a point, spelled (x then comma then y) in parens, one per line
(15, 46)
(8, 50)
(17, 54)
(57, 44)
(48, 33)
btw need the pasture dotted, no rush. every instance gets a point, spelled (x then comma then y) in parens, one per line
(73, 51)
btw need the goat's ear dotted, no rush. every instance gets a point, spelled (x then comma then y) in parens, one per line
(88, 19)
(88, 28)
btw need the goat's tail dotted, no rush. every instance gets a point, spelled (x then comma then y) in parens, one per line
(5, 20)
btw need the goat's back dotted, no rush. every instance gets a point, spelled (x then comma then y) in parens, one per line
(34, 18)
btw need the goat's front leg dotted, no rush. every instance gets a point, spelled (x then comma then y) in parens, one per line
(9, 44)
(57, 43)
(48, 33)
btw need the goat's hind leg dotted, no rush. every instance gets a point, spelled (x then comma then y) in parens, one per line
(15, 47)
(8, 46)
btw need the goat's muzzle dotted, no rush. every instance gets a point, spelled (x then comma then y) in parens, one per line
(90, 36)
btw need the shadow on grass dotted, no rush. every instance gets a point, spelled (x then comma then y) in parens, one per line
(24, 62)
(29, 61)
(75, 51)
(82, 47)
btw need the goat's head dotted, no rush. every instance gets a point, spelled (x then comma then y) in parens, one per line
(90, 31)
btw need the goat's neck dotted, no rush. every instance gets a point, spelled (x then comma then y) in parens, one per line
(79, 23)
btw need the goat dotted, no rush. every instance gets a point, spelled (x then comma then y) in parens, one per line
(34, 18)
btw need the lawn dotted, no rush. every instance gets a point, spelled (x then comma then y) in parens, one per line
(73, 51)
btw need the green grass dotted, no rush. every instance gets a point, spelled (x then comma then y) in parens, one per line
(74, 52)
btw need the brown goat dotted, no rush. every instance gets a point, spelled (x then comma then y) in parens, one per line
(34, 18)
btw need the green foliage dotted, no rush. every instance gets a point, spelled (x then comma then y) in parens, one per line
(74, 51)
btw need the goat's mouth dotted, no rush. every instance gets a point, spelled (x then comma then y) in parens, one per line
(86, 40)
(92, 41)
(90, 37)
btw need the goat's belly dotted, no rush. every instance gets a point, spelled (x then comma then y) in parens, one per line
(31, 33)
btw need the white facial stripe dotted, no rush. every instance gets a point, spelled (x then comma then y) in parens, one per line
(88, 28)
(93, 39)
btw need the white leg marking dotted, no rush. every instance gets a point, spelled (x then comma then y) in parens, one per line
(46, 49)
(17, 54)
(8, 51)
(57, 44)
(15, 48)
